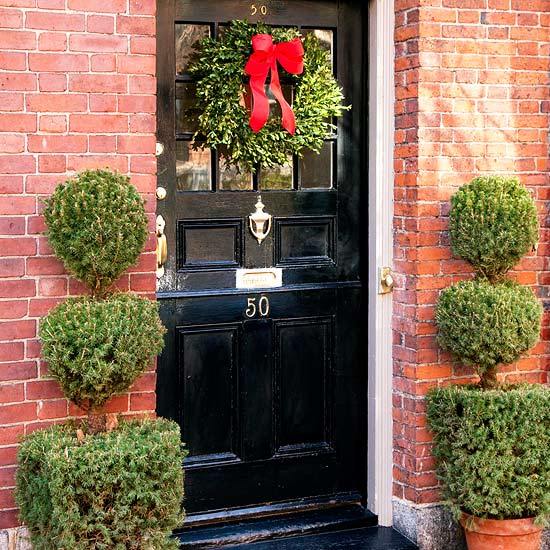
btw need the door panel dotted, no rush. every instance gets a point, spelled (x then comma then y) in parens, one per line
(269, 385)
(305, 241)
(209, 368)
(303, 385)
(209, 244)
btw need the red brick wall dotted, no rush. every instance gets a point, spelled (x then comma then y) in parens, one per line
(472, 89)
(77, 90)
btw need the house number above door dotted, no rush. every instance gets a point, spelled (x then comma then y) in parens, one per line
(256, 9)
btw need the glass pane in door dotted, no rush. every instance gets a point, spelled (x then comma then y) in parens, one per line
(187, 113)
(186, 36)
(231, 178)
(193, 167)
(277, 177)
(316, 170)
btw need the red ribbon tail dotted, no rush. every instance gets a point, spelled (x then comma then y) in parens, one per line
(260, 107)
(289, 121)
(263, 60)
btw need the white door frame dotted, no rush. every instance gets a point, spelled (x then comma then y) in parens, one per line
(381, 182)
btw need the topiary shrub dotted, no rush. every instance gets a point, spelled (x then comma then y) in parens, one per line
(492, 450)
(96, 224)
(484, 324)
(493, 224)
(491, 441)
(98, 484)
(96, 348)
(115, 490)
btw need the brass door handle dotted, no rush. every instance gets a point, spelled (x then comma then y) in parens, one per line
(161, 193)
(162, 246)
(386, 281)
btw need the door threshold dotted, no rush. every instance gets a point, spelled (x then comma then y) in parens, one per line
(283, 524)
(285, 507)
(371, 538)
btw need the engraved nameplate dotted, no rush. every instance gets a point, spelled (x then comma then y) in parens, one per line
(260, 278)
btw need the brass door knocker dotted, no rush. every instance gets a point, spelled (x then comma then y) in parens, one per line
(162, 246)
(260, 222)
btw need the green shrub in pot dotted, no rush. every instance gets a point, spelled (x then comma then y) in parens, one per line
(492, 448)
(112, 490)
(491, 440)
(98, 484)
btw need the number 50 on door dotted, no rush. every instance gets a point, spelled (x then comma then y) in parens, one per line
(258, 8)
(257, 307)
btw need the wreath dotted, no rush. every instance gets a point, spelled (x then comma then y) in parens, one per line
(230, 118)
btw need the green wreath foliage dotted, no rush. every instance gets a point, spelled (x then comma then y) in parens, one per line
(223, 121)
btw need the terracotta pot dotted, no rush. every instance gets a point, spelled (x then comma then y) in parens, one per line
(501, 534)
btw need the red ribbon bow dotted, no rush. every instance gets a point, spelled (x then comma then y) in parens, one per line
(264, 59)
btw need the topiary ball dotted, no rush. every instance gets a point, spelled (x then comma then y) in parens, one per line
(493, 224)
(486, 324)
(97, 226)
(96, 348)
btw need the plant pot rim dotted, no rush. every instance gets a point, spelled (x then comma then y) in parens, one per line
(501, 527)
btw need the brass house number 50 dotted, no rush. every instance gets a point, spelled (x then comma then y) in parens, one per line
(255, 307)
(258, 8)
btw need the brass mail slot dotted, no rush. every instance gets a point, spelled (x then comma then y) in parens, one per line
(260, 278)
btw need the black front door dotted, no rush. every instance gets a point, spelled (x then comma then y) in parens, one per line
(268, 385)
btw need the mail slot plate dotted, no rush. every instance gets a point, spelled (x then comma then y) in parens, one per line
(260, 278)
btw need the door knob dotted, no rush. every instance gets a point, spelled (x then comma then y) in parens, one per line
(161, 193)
(386, 281)
(162, 246)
